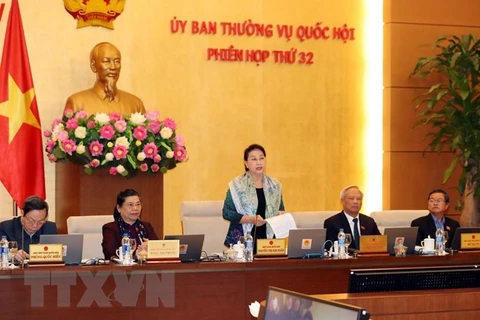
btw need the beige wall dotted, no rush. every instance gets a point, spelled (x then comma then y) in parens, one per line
(309, 118)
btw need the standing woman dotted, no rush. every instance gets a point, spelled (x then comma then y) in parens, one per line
(127, 220)
(252, 198)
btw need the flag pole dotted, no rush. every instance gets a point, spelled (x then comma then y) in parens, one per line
(15, 209)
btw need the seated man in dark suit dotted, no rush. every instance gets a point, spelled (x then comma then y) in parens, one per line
(28, 228)
(350, 219)
(438, 201)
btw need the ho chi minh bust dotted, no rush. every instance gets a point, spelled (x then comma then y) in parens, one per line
(105, 61)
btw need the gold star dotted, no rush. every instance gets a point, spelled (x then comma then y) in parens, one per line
(17, 108)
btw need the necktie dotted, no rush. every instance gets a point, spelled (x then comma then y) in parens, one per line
(356, 234)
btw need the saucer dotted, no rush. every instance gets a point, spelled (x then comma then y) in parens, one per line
(120, 261)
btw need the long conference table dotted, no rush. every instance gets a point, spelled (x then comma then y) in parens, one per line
(205, 290)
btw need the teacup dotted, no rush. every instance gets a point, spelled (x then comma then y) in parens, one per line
(428, 244)
(119, 253)
(239, 249)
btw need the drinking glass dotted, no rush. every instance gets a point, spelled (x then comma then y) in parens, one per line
(348, 241)
(142, 253)
(133, 247)
(12, 250)
(445, 240)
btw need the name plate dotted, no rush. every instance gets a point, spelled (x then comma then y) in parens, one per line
(46, 253)
(271, 247)
(469, 241)
(163, 249)
(373, 244)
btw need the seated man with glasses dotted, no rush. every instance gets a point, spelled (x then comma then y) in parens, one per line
(127, 220)
(27, 229)
(438, 201)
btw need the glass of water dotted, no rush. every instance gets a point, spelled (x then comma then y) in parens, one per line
(12, 250)
(348, 241)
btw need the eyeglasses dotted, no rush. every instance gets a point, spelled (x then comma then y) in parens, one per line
(35, 222)
(433, 200)
(131, 205)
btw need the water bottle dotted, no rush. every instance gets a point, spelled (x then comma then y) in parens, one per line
(439, 242)
(341, 245)
(4, 252)
(249, 247)
(126, 250)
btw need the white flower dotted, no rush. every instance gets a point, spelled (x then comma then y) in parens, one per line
(122, 141)
(59, 127)
(109, 156)
(137, 118)
(102, 118)
(141, 156)
(169, 154)
(80, 132)
(81, 149)
(166, 132)
(120, 168)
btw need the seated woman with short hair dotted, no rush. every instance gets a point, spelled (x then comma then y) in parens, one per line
(127, 220)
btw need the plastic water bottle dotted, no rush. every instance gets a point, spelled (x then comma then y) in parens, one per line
(439, 242)
(4, 252)
(249, 247)
(341, 245)
(126, 250)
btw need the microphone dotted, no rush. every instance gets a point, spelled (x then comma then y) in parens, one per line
(22, 264)
(254, 237)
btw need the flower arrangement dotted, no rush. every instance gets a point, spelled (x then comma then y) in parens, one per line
(124, 145)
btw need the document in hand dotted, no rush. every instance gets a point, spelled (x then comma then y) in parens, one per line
(282, 224)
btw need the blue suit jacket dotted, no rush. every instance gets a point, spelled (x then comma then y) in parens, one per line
(13, 230)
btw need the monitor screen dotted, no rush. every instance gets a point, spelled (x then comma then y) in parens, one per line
(284, 304)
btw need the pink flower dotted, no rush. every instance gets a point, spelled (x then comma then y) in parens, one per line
(120, 125)
(62, 135)
(180, 153)
(170, 123)
(107, 132)
(56, 122)
(155, 167)
(95, 148)
(152, 115)
(91, 124)
(120, 152)
(157, 158)
(72, 124)
(47, 133)
(69, 146)
(115, 116)
(94, 163)
(154, 126)
(112, 171)
(50, 145)
(140, 133)
(143, 167)
(81, 115)
(68, 113)
(52, 158)
(150, 150)
(179, 140)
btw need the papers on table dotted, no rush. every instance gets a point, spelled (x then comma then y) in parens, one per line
(282, 224)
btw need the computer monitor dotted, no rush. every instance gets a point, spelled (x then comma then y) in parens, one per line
(284, 304)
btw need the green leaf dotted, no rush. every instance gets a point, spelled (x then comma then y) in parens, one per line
(132, 161)
(448, 172)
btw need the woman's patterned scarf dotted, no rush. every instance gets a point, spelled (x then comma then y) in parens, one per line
(244, 196)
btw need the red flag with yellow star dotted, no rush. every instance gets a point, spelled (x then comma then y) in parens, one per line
(21, 150)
